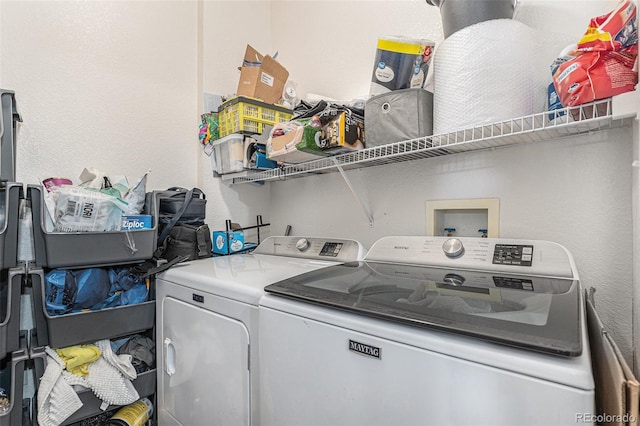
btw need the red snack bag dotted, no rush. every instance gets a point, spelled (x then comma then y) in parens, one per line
(596, 75)
(604, 62)
(613, 31)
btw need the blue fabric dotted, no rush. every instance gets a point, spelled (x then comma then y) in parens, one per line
(136, 294)
(93, 287)
(60, 292)
(76, 290)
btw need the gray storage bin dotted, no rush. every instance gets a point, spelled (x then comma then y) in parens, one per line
(10, 289)
(397, 116)
(10, 195)
(11, 379)
(145, 384)
(85, 327)
(88, 249)
(8, 122)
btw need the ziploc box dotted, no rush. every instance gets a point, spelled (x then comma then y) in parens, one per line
(261, 77)
(136, 222)
(222, 245)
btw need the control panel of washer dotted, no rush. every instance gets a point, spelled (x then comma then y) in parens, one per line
(491, 254)
(335, 249)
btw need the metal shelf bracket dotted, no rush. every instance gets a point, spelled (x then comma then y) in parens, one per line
(355, 194)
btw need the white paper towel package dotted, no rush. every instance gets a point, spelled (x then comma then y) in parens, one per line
(486, 73)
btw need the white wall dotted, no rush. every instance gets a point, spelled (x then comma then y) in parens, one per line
(109, 84)
(118, 85)
(228, 27)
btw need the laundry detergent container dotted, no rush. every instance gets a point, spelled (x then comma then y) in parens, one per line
(459, 14)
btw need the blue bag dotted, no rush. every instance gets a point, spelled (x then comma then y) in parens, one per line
(60, 292)
(93, 288)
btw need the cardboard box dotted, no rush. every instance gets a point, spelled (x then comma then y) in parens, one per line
(265, 81)
(136, 222)
(224, 245)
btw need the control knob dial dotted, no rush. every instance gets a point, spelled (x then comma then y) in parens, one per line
(302, 244)
(453, 248)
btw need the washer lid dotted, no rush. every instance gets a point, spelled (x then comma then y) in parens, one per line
(531, 312)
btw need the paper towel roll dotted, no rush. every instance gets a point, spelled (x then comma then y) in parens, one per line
(485, 73)
(400, 63)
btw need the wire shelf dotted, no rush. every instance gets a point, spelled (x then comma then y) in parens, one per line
(587, 118)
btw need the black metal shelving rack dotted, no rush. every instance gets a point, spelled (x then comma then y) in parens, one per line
(248, 247)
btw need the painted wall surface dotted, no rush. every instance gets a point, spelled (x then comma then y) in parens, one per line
(228, 26)
(108, 84)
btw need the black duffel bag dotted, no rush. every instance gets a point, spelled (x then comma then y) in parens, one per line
(172, 204)
(191, 241)
(181, 227)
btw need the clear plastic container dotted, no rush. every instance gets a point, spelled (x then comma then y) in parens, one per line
(228, 154)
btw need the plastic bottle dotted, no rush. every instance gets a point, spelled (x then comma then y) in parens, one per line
(135, 414)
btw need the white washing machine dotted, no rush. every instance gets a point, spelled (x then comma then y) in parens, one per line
(429, 331)
(207, 316)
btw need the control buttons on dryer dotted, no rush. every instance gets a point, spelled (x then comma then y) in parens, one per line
(302, 244)
(453, 247)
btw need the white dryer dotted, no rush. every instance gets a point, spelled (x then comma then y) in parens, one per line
(429, 331)
(207, 317)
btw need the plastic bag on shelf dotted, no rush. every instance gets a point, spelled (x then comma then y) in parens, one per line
(603, 62)
(84, 210)
(135, 196)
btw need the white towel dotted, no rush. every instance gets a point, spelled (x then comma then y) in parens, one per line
(121, 362)
(56, 398)
(110, 376)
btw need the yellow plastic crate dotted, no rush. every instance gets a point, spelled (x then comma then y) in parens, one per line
(244, 114)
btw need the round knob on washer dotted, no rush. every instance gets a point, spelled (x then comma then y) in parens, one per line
(454, 279)
(302, 244)
(453, 247)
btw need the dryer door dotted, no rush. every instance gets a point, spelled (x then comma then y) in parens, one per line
(203, 368)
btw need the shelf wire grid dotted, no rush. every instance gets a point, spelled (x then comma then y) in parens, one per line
(537, 127)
